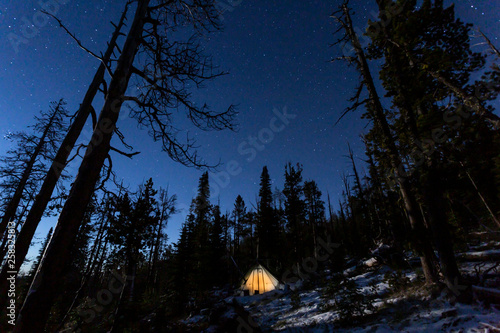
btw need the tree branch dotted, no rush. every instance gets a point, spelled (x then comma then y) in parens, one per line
(78, 41)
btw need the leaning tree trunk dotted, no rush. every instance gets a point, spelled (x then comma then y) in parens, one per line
(483, 200)
(419, 237)
(36, 308)
(471, 101)
(433, 196)
(156, 252)
(4, 247)
(35, 214)
(13, 204)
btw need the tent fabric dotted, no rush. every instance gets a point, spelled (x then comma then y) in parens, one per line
(259, 280)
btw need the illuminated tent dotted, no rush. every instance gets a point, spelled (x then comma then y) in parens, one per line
(258, 280)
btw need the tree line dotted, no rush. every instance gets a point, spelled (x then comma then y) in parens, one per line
(431, 147)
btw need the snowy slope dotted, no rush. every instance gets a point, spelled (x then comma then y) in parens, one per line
(401, 313)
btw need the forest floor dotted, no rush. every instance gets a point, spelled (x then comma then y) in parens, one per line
(400, 304)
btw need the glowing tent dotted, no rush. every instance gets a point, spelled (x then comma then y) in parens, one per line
(258, 280)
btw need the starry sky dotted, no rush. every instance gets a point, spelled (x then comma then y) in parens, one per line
(277, 54)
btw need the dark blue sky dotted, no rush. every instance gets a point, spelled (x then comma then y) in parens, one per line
(277, 53)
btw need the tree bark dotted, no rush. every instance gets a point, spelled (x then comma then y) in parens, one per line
(36, 308)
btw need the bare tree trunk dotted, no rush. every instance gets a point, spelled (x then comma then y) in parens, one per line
(96, 273)
(24, 238)
(330, 213)
(490, 44)
(36, 308)
(151, 253)
(419, 241)
(156, 253)
(3, 247)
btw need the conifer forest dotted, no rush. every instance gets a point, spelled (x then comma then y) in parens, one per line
(247, 166)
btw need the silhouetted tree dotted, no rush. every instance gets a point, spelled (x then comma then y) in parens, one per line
(169, 65)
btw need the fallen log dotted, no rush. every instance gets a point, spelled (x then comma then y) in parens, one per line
(486, 295)
(489, 255)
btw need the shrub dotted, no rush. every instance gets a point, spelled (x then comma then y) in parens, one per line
(348, 299)
(396, 280)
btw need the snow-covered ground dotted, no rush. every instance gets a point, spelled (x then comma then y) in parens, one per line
(411, 308)
(400, 312)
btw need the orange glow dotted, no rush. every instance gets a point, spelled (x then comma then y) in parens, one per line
(259, 280)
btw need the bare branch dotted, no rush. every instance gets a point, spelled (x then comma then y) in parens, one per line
(129, 155)
(490, 44)
(78, 41)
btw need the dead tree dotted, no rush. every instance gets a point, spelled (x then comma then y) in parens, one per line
(169, 69)
(166, 208)
(377, 113)
(48, 126)
(60, 160)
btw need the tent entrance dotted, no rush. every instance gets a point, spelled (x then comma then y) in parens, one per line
(258, 280)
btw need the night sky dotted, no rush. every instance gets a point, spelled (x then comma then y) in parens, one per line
(277, 53)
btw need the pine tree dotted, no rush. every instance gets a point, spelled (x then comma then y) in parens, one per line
(383, 133)
(295, 210)
(428, 46)
(22, 163)
(217, 249)
(132, 228)
(60, 159)
(267, 227)
(23, 170)
(239, 213)
(177, 60)
(165, 208)
(184, 262)
(130, 231)
(315, 211)
(202, 225)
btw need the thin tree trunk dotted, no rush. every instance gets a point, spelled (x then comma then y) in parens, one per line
(96, 274)
(156, 254)
(13, 204)
(151, 254)
(330, 213)
(36, 308)
(121, 315)
(419, 241)
(24, 238)
(481, 196)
